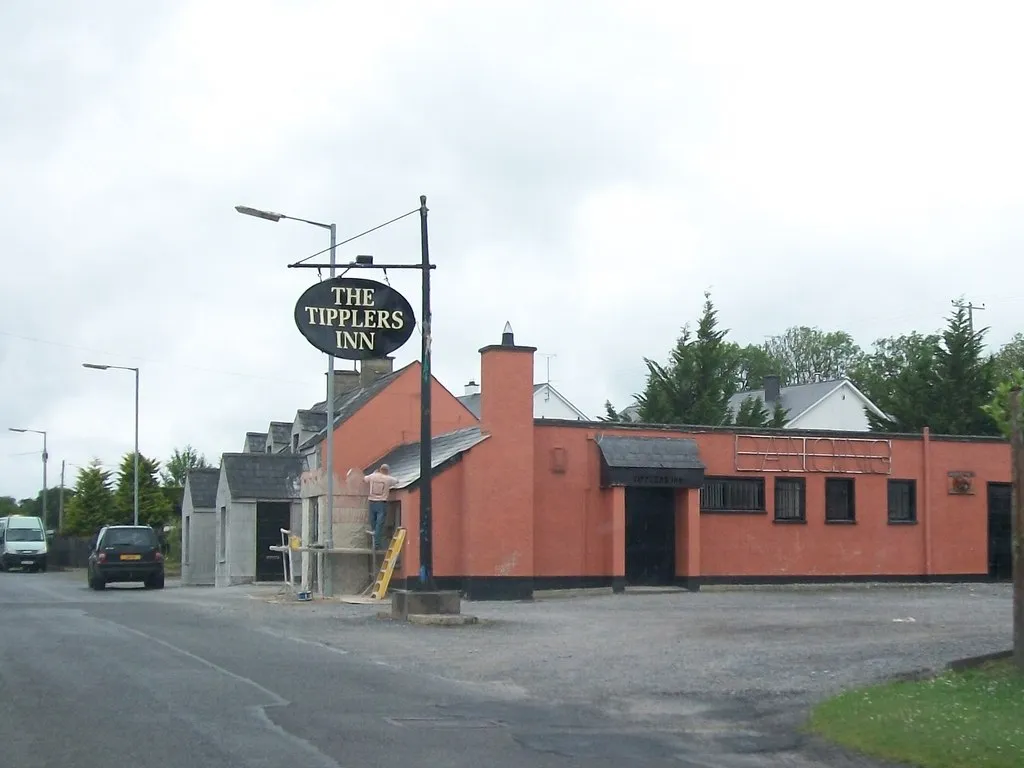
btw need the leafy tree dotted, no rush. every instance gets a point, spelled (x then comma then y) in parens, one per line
(753, 413)
(182, 462)
(966, 379)
(92, 505)
(899, 377)
(700, 377)
(610, 414)
(8, 506)
(941, 381)
(803, 353)
(998, 408)
(154, 506)
(1010, 358)
(752, 364)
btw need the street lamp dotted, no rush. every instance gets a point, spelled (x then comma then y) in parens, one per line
(45, 457)
(96, 367)
(329, 449)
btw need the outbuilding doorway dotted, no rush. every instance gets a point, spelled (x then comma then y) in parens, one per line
(271, 517)
(650, 536)
(1000, 525)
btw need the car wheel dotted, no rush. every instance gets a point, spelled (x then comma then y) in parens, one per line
(96, 583)
(155, 582)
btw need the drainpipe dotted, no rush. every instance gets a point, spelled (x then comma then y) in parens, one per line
(926, 499)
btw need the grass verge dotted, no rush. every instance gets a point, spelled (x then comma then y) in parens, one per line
(973, 718)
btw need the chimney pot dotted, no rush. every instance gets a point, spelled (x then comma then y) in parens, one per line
(507, 337)
(472, 388)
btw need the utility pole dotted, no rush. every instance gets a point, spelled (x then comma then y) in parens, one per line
(1017, 527)
(970, 307)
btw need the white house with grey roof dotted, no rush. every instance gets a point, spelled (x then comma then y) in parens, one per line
(199, 528)
(548, 403)
(257, 496)
(834, 405)
(821, 405)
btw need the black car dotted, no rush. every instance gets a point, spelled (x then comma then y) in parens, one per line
(126, 553)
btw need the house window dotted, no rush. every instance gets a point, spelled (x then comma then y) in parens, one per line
(790, 499)
(732, 494)
(839, 507)
(902, 501)
(222, 540)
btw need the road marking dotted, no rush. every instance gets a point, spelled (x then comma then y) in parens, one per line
(314, 643)
(259, 711)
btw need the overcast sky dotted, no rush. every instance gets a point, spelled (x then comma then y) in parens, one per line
(591, 168)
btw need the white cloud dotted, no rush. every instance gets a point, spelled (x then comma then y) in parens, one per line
(591, 168)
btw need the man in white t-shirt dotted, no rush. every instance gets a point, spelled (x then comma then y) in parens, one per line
(381, 482)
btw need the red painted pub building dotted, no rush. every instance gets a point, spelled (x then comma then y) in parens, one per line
(522, 504)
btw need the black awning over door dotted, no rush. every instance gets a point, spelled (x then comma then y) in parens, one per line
(655, 462)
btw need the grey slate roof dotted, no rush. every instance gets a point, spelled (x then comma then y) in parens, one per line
(650, 452)
(404, 461)
(795, 399)
(311, 421)
(263, 476)
(280, 433)
(472, 402)
(255, 442)
(347, 404)
(202, 485)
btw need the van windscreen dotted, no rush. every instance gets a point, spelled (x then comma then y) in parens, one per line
(24, 534)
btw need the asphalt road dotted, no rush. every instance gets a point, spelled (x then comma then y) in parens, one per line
(131, 677)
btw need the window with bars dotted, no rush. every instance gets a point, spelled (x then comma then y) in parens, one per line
(790, 499)
(839, 500)
(902, 501)
(732, 494)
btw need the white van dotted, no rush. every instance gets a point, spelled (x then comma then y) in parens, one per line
(23, 544)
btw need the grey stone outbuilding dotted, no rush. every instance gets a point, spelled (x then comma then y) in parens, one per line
(199, 528)
(257, 496)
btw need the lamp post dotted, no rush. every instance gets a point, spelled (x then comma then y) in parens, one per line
(96, 367)
(329, 437)
(45, 457)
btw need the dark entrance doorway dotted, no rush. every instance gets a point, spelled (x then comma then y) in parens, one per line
(650, 536)
(1000, 525)
(271, 517)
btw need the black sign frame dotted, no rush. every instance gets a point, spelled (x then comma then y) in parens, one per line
(354, 318)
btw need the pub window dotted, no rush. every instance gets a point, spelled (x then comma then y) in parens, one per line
(790, 499)
(732, 494)
(902, 501)
(839, 507)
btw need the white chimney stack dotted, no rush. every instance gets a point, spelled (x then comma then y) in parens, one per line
(472, 388)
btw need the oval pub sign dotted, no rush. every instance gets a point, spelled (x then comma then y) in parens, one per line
(353, 318)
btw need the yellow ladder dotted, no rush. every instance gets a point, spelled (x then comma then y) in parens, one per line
(387, 567)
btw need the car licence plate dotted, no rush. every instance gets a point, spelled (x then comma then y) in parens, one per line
(28, 562)
(131, 557)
